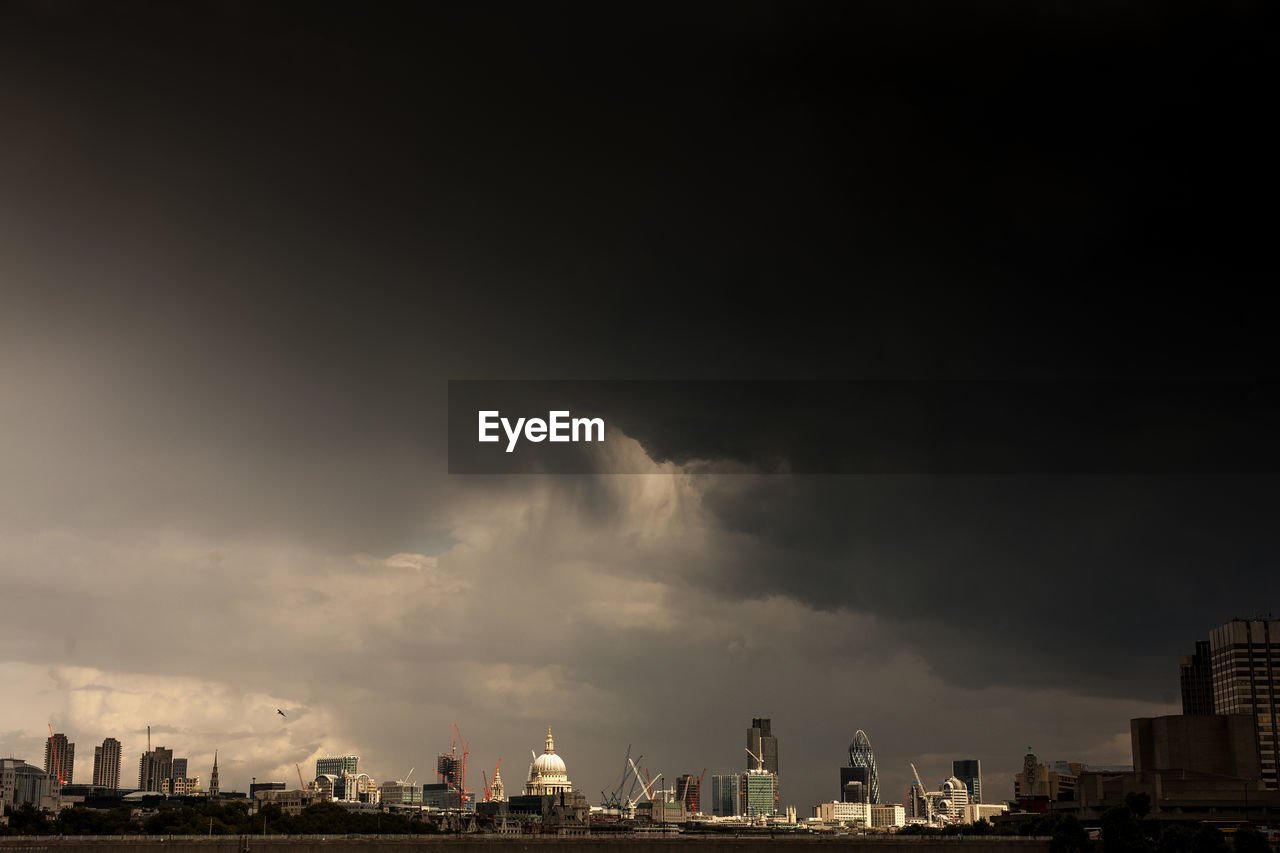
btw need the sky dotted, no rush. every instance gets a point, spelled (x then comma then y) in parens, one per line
(244, 248)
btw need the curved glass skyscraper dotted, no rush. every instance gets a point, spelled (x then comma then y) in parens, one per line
(862, 758)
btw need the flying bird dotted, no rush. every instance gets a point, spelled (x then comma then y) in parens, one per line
(281, 713)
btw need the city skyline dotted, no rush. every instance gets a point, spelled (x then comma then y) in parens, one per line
(244, 251)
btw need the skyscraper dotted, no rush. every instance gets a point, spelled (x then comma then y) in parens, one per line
(1197, 681)
(156, 766)
(106, 764)
(862, 767)
(1244, 671)
(969, 771)
(59, 757)
(761, 742)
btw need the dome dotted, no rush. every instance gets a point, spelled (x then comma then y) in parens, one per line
(549, 762)
(547, 773)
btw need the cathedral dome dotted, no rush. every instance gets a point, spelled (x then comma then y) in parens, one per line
(547, 773)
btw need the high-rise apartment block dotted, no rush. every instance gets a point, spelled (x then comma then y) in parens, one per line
(106, 764)
(969, 771)
(1243, 677)
(60, 758)
(761, 742)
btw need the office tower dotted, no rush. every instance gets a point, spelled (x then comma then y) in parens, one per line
(155, 767)
(59, 757)
(853, 785)
(179, 770)
(862, 758)
(761, 742)
(1197, 681)
(969, 771)
(106, 764)
(759, 793)
(726, 795)
(337, 765)
(1244, 659)
(213, 778)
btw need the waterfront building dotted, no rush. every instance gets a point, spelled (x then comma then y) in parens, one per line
(886, 815)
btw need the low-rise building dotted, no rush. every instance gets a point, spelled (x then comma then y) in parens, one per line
(22, 783)
(840, 812)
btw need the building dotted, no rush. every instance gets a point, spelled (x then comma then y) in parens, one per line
(758, 792)
(290, 802)
(1197, 681)
(1244, 678)
(155, 767)
(179, 769)
(22, 783)
(1219, 744)
(969, 771)
(726, 795)
(887, 815)
(688, 791)
(547, 774)
(497, 794)
(761, 742)
(1054, 783)
(255, 786)
(439, 795)
(60, 758)
(862, 768)
(400, 792)
(984, 811)
(106, 764)
(213, 777)
(332, 765)
(953, 804)
(842, 812)
(449, 769)
(1193, 766)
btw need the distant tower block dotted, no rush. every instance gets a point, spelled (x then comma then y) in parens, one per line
(761, 742)
(106, 764)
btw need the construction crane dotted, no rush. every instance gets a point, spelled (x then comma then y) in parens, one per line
(410, 776)
(466, 750)
(691, 793)
(759, 759)
(302, 786)
(646, 788)
(487, 791)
